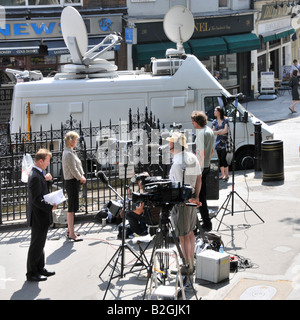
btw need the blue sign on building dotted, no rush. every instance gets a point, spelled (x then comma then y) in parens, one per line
(128, 35)
(105, 24)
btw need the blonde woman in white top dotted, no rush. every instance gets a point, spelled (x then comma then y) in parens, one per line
(74, 176)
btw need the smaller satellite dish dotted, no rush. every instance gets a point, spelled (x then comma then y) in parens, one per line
(74, 33)
(179, 26)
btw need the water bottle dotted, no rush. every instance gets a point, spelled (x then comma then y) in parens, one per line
(221, 249)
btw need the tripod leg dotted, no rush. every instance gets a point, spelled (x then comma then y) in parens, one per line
(249, 206)
(226, 202)
(158, 240)
(112, 258)
(118, 253)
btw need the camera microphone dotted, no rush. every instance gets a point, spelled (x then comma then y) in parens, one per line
(101, 175)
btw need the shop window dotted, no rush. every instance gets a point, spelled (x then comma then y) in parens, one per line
(42, 60)
(261, 64)
(105, 3)
(274, 43)
(53, 2)
(16, 3)
(18, 63)
(226, 65)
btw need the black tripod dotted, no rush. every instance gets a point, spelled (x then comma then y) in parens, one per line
(121, 250)
(230, 196)
(162, 240)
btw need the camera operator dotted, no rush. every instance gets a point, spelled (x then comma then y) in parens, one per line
(143, 215)
(185, 169)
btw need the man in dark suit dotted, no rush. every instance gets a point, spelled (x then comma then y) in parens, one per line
(39, 216)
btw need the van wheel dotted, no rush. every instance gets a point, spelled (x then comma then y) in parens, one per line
(245, 158)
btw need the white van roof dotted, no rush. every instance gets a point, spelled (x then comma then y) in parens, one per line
(192, 74)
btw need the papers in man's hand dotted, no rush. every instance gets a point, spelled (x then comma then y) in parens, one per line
(55, 197)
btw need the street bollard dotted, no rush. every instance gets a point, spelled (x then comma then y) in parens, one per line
(257, 147)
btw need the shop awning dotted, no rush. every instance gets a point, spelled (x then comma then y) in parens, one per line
(242, 42)
(281, 33)
(58, 47)
(19, 48)
(208, 47)
(142, 53)
(277, 34)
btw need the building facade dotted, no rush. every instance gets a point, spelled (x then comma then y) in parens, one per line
(238, 38)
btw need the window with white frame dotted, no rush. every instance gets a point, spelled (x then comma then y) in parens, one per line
(26, 3)
(223, 4)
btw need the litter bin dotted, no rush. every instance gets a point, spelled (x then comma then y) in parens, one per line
(272, 160)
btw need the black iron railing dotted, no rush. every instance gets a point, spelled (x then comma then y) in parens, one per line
(99, 149)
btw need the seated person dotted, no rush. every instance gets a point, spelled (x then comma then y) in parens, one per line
(143, 215)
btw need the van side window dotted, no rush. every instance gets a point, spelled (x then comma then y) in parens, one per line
(212, 102)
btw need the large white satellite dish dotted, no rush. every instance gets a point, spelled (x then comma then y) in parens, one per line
(76, 39)
(74, 33)
(179, 26)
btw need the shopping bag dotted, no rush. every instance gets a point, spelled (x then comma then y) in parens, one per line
(27, 164)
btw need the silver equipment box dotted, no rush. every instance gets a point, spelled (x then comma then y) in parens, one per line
(212, 266)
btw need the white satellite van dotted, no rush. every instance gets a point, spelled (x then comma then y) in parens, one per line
(91, 89)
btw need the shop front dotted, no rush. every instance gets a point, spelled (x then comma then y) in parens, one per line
(276, 32)
(222, 43)
(37, 43)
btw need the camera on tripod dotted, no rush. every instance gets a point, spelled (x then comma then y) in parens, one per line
(163, 192)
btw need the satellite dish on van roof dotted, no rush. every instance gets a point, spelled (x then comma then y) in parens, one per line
(74, 33)
(76, 39)
(178, 26)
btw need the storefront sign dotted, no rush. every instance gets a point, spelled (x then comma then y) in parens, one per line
(269, 12)
(223, 26)
(207, 27)
(272, 26)
(50, 28)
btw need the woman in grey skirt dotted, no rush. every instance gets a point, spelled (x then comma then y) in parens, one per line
(74, 176)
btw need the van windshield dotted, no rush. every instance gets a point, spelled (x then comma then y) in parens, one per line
(212, 102)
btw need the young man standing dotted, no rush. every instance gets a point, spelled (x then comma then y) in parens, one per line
(204, 149)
